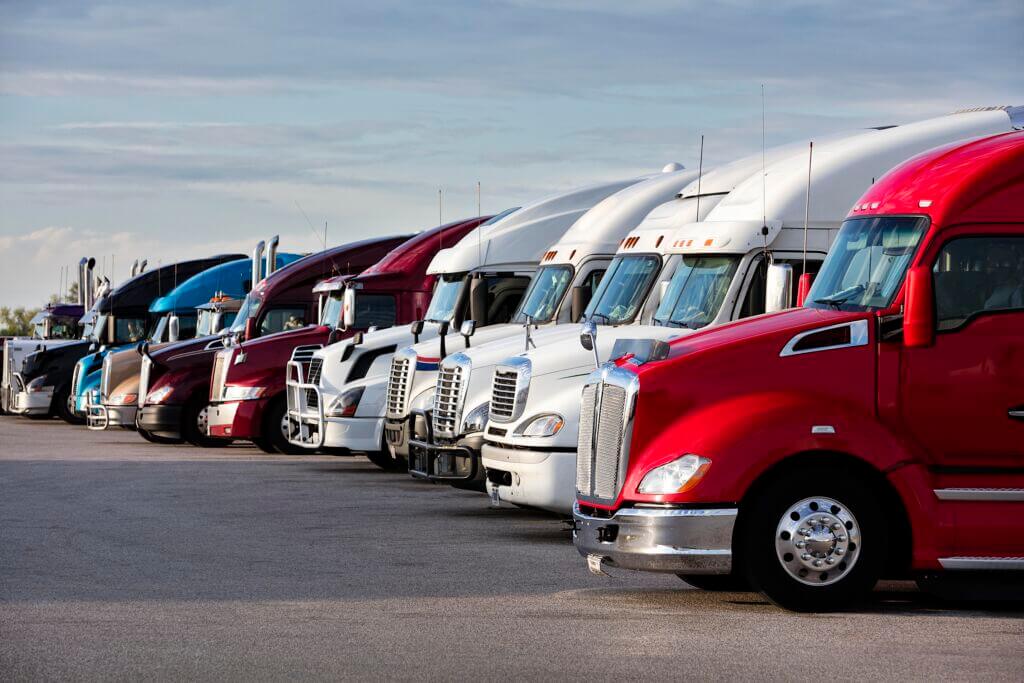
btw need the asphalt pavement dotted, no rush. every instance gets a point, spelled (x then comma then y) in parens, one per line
(121, 559)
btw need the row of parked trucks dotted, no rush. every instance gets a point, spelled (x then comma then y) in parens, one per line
(726, 374)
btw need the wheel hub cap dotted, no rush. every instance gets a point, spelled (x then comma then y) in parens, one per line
(202, 419)
(818, 541)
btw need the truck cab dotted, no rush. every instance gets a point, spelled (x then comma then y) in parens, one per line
(570, 272)
(137, 311)
(480, 284)
(188, 311)
(739, 260)
(174, 386)
(54, 325)
(390, 292)
(877, 431)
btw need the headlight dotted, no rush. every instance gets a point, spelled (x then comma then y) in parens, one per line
(38, 384)
(677, 476)
(476, 420)
(159, 395)
(235, 393)
(123, 399)
(345, 404)
(542, 425)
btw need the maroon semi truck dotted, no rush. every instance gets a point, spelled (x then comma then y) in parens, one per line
(247, 388)
(175, 381)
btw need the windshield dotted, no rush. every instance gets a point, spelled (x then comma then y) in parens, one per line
(545, 294)
(331, 315)
(445, 298)
(623, 289)
(250, 307)
(696, 291)
(865, 266)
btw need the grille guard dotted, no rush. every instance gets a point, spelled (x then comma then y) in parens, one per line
(300, 414)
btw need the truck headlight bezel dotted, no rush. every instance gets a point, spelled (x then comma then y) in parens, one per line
(476, 419)
(158, 396)
(675, 476)
(541, 426)
(346, 403)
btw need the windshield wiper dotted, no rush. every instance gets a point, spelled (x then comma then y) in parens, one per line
(607, 320)
(841, 297)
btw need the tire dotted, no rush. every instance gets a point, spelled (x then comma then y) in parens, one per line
(193, 425)
(274, 427)
(717, 583)
(387, 462)
(153, 438)
(844, 545)
(61, 405)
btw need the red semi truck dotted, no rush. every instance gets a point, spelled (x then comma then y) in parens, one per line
(878, 431)
(175, 381)
(247, 399)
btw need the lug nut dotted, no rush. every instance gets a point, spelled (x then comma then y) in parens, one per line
(840, 551)
(805, 556)
(817, 563)
(841, 539)
(836, 526)
(830, 560)
(801, 544)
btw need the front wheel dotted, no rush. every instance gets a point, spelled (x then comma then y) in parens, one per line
(64, 405)
(194, 420)
(814, 542)
(275, 430)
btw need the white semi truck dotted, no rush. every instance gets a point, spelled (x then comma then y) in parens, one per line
(728, 265)
(341, 402)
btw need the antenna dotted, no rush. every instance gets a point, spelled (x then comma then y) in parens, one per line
(175, 273)
(479, 237)
(310, 224)
(103, 266)
(700, 172)
(764, 181)
(325, 234)
(807, 202)
(440, 207)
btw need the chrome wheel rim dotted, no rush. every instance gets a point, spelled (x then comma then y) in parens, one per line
(203, 420)
(818, 541)
(285, 431)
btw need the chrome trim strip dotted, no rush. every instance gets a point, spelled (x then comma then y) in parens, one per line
(989, 563)
(858, 337)
(1002, 495)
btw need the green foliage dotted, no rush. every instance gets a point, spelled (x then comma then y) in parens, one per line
(15, 322)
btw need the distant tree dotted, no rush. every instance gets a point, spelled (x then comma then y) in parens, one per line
(16, 322)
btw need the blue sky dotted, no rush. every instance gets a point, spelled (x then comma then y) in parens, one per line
(170, 130)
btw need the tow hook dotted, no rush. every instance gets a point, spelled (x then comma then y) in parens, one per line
(594, 563)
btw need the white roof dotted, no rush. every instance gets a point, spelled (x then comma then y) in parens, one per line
(521, 237)
(601, 230)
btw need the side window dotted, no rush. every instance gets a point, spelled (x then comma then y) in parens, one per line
(978, 274)
(374, 310)
(284, 318)
(590, 283)
(753, 302)
(503, 295)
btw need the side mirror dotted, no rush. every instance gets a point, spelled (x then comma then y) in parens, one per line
(467, 329)
(332, 336)
(778, 290)
(173, 328)
(919, 309)
(804, 288)
(442, 332)
(348, 314)
(578, 303)
(417, 329)
(588, 339)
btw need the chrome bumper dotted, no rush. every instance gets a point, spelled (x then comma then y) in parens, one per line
(677, 540)
(306, 423)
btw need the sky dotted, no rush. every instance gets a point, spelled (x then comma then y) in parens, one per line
(170, 130)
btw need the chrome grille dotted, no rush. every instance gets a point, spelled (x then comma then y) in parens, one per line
(220, 365)
(76, 378)
(315, 368)
(144, 371)
(448, 399)
(303, 354)
(503, 394)
(606, 425)
(105, 377)
(399, 380)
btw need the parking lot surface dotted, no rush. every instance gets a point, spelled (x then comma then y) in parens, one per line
(122, 559)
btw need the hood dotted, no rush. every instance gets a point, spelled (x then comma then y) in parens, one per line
(185, 353)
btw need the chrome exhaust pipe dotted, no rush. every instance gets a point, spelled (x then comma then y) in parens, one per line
(81, 282)
(142, 266)
(257, 256)
(272, 255)
(135, 268)
(90, 284)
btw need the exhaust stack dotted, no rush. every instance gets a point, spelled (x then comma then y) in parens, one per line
(142, 266)
(135, 268)
(90, 284)
(272, 255)
(81, 282)
(257, 256)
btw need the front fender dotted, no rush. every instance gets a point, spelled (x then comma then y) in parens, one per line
(745, 435)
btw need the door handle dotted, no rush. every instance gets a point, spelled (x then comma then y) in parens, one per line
(1016, 413)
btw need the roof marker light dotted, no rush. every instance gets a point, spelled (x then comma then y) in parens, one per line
(874, 205)
(924, 203)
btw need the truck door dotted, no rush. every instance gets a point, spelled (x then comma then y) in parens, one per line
(962, 399)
